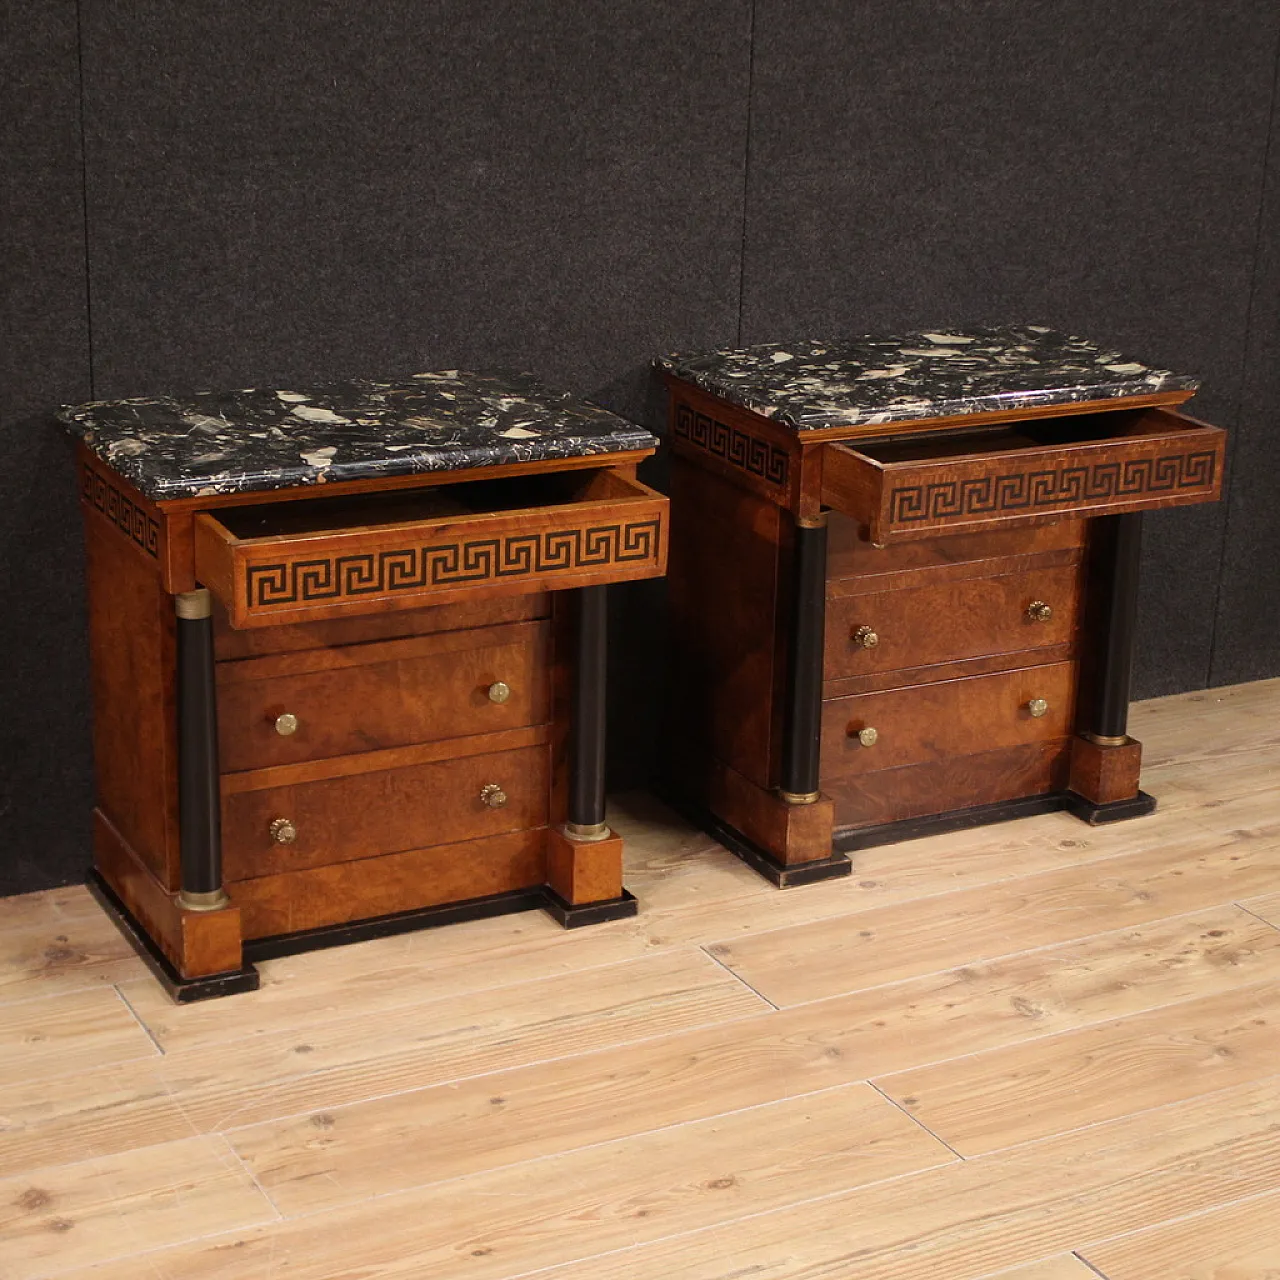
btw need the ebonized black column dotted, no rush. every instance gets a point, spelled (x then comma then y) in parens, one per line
(199, 801)
(802, 724)
(1119, 611)
(587, 720)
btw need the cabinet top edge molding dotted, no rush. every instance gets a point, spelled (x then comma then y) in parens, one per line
(215, 443)
(875, 381)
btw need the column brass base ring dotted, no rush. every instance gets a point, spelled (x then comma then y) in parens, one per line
(807, 797)
(1099, 740)
(213, 900)
(586, 833)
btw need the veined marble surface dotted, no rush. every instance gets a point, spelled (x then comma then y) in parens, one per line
(230, 442)
(884, 379)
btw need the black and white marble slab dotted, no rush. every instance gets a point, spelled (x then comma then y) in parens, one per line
(258, 438)
(873, 380)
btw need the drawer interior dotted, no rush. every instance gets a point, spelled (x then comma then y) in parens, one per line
(1036, 433)
(404, 506)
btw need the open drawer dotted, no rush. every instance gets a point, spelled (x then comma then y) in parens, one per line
(1027, 472)
(318, 558)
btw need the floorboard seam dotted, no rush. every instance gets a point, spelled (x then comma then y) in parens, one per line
(1261, 919)
(1075, 1253)
(124, 1000)
(1026, 951)
(893, 1102)
(715, 959)
(253, 1177)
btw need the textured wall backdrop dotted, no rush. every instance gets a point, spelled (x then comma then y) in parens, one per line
(198, 195)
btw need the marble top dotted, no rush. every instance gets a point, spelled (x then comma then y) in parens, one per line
(233, 441)
(873, 380)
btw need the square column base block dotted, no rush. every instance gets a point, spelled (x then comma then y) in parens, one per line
(1105, 774)
(584, 871)
(790, 834)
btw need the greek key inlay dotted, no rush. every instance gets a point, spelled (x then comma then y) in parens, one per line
(481, 560)
(1044, 490)
(730, 444)
(127, 516)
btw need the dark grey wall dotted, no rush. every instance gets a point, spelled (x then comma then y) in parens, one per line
(225, 194)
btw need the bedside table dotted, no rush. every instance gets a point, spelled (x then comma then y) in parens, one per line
(348, 648)
(903, 580)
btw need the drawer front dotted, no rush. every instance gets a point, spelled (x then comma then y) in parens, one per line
(919, 723)
(362, 815)
(614, 532)
(1158, 460)
(951, 621)
(342, 701)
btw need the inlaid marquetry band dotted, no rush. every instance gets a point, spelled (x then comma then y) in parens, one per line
(483, 560)
(761, 458)
(1028, 491)
(127, 516)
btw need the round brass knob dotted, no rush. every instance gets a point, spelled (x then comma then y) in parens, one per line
(286, 724)
(499, 691)
(1038, 611)
(865, 638)
(1037, 707)
(283, 831)
(493, 795)
(868, 736)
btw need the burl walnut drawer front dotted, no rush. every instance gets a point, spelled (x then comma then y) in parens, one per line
(366, 697)
(328, 557)
(361, 815)
(919, 723)
(1084, 465)
(950, 621)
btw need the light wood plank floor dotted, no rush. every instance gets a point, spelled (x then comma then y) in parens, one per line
(1037, 1051)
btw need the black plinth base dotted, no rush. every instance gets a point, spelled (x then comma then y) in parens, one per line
(852, 839)
(1097, 815)
(339, 935)
(181, 990)
(186, 990)
(574, 917)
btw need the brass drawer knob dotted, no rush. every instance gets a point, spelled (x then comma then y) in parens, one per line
(865, 638)
(283, 831)
(286, 724)
(1038, 611)
(868, 736)
(493, 795)
(1038, 707)
(499, 691)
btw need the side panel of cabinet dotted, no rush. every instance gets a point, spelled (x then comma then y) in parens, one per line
(726, 591)
(133, 643)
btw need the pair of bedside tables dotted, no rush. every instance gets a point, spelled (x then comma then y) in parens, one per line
(348, 641)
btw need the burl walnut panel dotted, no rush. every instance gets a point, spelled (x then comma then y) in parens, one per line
(362, 815)
(368, 697)
(964, 717)
(309, 898)
(949, 621)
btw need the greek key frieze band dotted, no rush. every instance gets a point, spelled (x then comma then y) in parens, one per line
(1027, 491)
(733, 445)
(482, 560)
(127, 516)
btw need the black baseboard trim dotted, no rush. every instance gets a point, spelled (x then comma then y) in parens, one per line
(851, 839)
(181, 990)
(339, 935)
(187, 990)
(783, 875)
(573, 916)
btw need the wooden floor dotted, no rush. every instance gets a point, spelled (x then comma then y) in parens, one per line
(1038, 1051)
